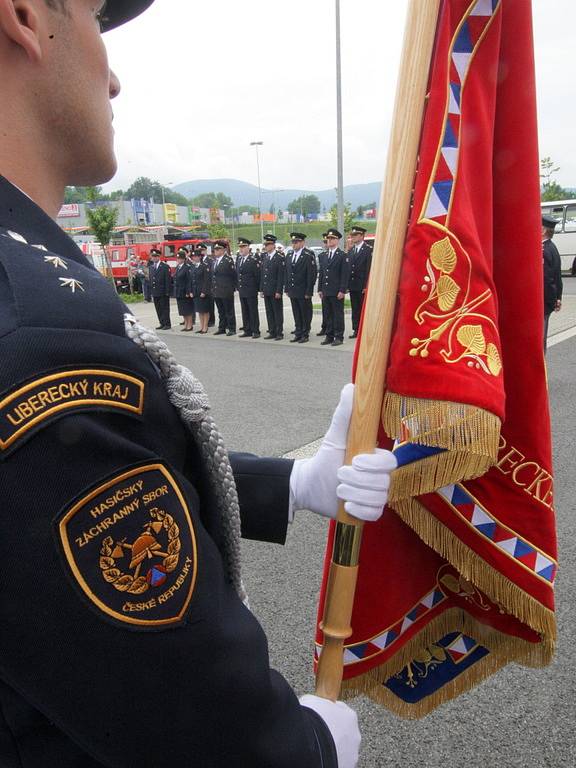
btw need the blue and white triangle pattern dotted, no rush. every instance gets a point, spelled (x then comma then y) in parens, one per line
(463, 47)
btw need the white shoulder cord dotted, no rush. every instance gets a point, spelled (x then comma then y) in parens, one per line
(187, 395)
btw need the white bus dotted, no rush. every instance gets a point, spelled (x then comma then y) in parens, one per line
(565, 233)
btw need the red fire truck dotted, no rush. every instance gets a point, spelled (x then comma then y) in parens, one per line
(123, 259)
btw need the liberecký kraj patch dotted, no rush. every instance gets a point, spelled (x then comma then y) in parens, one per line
(30, 405)
(129, 545)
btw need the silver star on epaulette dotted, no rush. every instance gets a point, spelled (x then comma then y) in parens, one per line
(16, 236)
(70, 282)
(39, 246)
(56, 262)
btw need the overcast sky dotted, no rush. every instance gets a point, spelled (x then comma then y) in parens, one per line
(201, 80)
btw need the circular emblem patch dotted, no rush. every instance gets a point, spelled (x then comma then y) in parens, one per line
(131, 548)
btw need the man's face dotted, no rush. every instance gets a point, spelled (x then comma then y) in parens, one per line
(297, 244)
(244, 250)
(74, 89)
(356, 238)
(269, 247)
(218, 251)
(332, 241)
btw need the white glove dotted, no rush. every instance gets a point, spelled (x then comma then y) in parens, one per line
(342, 723)
(319, 482)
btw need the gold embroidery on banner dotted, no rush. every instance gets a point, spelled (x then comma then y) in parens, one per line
(452, 310)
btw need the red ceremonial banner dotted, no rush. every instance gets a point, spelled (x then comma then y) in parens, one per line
(456, 579)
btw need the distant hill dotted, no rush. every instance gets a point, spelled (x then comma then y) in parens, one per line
(243, 193)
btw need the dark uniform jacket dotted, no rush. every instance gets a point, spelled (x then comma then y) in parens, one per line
(123, 643)
(360, 262)
(300, 275)
(160, 279)
(552, 276)
(334, 273)
(272, 273)
(200, 278)
(223, 278)
(182, 281)
(248, 276)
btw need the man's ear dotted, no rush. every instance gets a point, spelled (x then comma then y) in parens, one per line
(21, 25)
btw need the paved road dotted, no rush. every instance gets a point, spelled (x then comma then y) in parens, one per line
(271, 400)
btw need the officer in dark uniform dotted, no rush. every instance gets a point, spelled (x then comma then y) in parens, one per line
(124, 638)
(332, 286)
(160, 287)
(552, 272)
(223, 287)
(209, 261)
(248, 281)
(301, 275)
(271, 285)
(321, 257)
(183, 290)
(360, 256)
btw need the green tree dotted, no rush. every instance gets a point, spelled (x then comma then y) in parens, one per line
(146, 188)
(102, 222)
(551, 190)
(80, 194)
(217, 231)
(305, 205)
(212, 200)
(348, 217)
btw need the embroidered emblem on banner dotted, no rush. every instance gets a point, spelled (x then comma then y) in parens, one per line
(37, 402)
(131, 548)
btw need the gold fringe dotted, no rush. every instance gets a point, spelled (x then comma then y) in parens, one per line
(468, 435)
(503, 650)
(470, 565)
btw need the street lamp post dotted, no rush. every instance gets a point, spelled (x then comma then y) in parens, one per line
(340, 194)
(259, 144)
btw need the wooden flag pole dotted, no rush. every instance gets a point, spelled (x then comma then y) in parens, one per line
(377, 325)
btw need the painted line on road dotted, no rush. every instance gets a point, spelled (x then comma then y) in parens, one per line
(562, 336)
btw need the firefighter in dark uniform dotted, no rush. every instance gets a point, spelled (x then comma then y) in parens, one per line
(160, 287)
(183, 290)
(300, 277)
(552, 272)
(209, 261)
(248, 281)
(332, 286)
(223, 287)
(321, 257)
(360, 255)
(125, 641)
(271, 285)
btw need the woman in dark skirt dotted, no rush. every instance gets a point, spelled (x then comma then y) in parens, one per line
(183, 291)
(201, 287)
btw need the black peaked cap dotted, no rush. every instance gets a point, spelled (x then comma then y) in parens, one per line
(118, 12)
